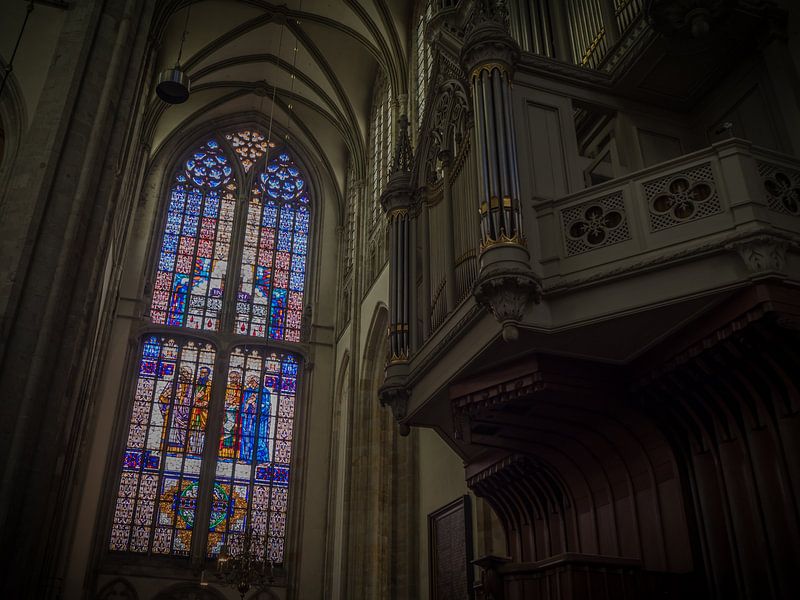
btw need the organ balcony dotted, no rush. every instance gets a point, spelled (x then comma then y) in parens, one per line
(603, 251)
(658, 367)
(624, 266)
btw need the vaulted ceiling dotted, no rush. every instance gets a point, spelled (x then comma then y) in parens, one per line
(241, 53)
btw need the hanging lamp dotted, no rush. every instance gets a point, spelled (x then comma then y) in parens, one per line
(174, 85)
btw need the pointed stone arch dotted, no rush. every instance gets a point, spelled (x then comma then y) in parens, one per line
(12, 126)
(189, 591)
(118, 589)
(380, 507)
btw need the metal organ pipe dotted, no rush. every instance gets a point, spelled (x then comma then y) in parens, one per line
(406, 288)
(502, 156)
(426, 270)
(513, 164)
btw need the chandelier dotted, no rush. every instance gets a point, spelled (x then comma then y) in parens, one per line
(247, 569)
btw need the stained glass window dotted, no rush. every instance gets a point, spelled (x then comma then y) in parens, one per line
(381, 143)
(246, 489)
(193, 259)
(423, 60)
(157, 497)
(249, 145)
(270, 299)
(254, 452)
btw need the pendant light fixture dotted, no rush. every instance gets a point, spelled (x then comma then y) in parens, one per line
(174, 84)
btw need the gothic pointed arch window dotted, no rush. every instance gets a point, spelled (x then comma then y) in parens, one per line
(381, 142)
(238, 210)
(423, 60)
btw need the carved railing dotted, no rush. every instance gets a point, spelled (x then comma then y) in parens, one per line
(711, 200)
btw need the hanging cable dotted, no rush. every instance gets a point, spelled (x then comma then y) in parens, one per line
(289, 119)
(10, 66)
(183, 37)
(274, 93)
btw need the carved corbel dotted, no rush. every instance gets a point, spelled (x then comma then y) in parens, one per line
(487, 40)
(507, 294)
(764, 254)
(396, 396)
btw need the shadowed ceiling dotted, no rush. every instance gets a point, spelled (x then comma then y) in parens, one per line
(241, 53)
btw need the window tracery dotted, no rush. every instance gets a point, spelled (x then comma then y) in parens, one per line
(211, 233)
(193, 261)
(423, 60)
(381, 139)
(381, 152)
(255, 447)
(270, 298)
(157, 496)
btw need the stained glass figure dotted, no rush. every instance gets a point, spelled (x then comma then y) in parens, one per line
(249, 145)
(270, 299)
(254, 453)
(193, 260)
(159, 488)
(157, 496)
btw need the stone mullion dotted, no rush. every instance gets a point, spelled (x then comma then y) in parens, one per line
(216, 411)
(227, 319)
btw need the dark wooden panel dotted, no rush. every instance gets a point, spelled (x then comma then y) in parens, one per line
(450, 552)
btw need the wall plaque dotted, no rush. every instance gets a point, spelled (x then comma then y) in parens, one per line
(450, 552)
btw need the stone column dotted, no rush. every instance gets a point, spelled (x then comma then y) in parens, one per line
(506, 284)
(396, 201)
(76, 173)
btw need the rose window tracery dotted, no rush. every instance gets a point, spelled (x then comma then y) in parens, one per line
(249, 145)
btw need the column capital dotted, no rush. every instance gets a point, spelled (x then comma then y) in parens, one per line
(396, 395)
(398, 193)
(488, 43)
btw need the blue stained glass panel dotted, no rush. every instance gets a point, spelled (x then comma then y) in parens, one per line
(196, 242)
(273, 261)
(254, 454)
(157, 493)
